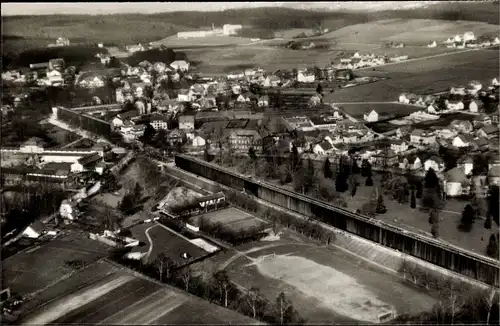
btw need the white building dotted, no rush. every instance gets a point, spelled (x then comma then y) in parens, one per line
(229, 29)
(180, 65)
(305, 77)
(456, 183)
(199, 141)
(433, 44)
(372, 116)
(186, 122)
(158, 122)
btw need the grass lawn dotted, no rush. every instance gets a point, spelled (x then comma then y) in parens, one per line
(233, 218)
(172, 245)
(416, 220)
(428, 76)
(409, 31)
(34, 269)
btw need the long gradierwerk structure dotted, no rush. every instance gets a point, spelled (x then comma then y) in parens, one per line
(466, 263)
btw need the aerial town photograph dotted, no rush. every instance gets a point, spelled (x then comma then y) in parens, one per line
(227, 163)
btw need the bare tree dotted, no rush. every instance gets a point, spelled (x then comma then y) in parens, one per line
(489, 304)
(186, 275)
(222, 280)
(282, 305)
(164, 266)
(252, 299)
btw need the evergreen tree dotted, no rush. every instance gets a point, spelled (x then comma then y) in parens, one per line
(492, 248)
(354, 188)
(319, 89)
(467, 218)
(369, 181)
(419, 190)
(206, 156)
(354, 167)
(413, 200)
(381, 209)
(296, 161)
(435, 230)
(137, 191)
(431, 181)
(327, 169)
(251, 153)
(310, 173)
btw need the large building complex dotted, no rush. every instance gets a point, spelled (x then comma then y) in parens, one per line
(226, 30)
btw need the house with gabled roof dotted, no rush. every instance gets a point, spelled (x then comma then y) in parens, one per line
(399, 146)
(466, 163)
(462, 140)
(487, 131)
(323, 148)
(481, 120)
(419, 136)
(456, 183)
(434, 162)
(371, 116)
(34, 230)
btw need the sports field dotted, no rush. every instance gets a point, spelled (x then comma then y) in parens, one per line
(325, 284)
(125, 298)
(231, 217)
(158, 239)
(36, 268)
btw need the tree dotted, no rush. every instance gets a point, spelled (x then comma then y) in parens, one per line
(127, 204)
(284, 174)
(254, 301)
(251, 153)
(224, 285)
(327, 169)
(164, 266)
(431, 181)
(138, 191)
(310, 174)
(186, 275)
(492, 248)
(206, 156)
(114, 62)
(435, 230)
(319, 89)
(413, 200)
(284, 307)
(369, 181)
(354, 189)
(381, 209)
(149, 133)
(467, 218)
(295, 159)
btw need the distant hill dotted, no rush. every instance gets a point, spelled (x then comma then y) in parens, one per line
(24, 31)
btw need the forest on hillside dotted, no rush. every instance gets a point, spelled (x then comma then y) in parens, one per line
(23, 32)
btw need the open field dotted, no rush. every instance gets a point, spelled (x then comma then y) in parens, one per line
(416, 220)
(34, 269)
(324, 283)
(409, 31)
(426, 76)
(163, 241)
(124, 298)
(202, 41)
(444, 120)
(238, 58)
(232, 217)
(357, 110)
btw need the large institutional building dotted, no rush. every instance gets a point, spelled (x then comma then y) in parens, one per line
(226, 30)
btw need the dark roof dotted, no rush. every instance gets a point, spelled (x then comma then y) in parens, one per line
(89, 158)
(489, 129)
(237, 123)
(326, 145)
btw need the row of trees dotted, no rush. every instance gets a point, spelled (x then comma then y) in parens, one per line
(457, 302)
(219, 289)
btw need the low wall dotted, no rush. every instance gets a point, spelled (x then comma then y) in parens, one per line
(389, 259)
